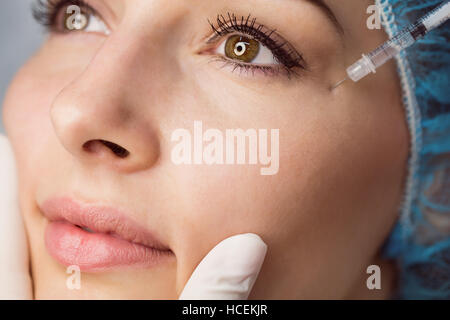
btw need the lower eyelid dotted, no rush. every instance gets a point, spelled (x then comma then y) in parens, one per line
(254, 70)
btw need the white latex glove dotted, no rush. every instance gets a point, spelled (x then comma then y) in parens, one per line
(15, 280)
(228, 271)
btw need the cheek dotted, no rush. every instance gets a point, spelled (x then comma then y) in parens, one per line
(35, 86)
(332, 202)
(28, 102)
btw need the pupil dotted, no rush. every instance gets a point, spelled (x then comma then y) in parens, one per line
(239, 49)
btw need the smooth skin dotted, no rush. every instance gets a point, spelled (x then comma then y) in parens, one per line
(343, 153)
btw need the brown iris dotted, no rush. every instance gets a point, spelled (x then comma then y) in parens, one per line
(241, 48)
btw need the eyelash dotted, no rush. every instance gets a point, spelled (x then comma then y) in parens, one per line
(46, 12)
(283, 52)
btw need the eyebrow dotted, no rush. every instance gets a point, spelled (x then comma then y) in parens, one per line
(329, 13)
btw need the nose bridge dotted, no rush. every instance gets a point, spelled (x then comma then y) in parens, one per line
(137, 57)
(119, 63)
(140, 54)
(141, 45)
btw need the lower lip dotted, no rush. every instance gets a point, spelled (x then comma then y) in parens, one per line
(95, 252)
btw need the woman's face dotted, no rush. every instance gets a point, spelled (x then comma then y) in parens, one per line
(153, 69)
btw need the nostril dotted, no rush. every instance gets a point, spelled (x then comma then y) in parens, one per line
(118, 150)
(92, 146)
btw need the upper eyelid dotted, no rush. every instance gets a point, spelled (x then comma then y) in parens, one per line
(228, 23)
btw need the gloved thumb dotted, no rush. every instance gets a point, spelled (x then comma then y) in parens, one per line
(228, 271)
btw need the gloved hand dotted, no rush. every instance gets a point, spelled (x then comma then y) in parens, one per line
(227, 272)
(15, 280)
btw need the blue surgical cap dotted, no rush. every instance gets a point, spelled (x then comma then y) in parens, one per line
(420, 241)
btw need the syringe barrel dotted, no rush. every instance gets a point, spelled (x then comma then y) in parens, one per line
(436, 17)
(390, 49)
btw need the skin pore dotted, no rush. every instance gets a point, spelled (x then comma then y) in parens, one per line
(324, 215)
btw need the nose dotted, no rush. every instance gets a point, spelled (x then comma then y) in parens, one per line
(95, 120)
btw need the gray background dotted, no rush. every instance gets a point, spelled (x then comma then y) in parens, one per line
(20, 36)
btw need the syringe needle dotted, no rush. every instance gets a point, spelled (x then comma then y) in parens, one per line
(339, 83)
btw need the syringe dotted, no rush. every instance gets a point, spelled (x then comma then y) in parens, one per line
(404, 39)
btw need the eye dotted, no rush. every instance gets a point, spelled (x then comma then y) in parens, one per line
(75, 19)
(247, 50)
(63, 16)
(249, 46)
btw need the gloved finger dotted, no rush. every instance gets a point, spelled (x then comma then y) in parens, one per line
(228, 271)
(15, 281)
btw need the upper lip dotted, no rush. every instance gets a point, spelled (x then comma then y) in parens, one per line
(100, 219)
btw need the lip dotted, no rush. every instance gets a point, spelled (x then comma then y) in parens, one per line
(116, 240)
